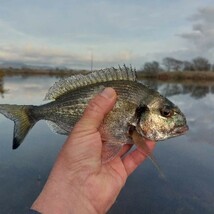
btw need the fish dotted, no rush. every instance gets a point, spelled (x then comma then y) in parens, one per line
(138, 109)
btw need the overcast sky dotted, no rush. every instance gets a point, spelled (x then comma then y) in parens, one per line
(68, 32)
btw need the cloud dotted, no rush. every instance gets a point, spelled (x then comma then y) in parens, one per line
(49, 56)
(201, 38)
(72, 20)
(42, 55)
(66, 32)
(94, 21)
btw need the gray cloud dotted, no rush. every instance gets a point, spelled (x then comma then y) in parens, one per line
(66, 32)
(49, 56)
(201, 37)
(34, 55)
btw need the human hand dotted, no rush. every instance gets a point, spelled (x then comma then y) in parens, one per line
(79, 182)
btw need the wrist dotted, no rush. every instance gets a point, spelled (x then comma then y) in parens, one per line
(54, 199)
(62, 196)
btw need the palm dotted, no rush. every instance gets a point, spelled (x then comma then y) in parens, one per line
(108, 179)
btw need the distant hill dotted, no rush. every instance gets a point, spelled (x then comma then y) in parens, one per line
(12, 65)
(19, 65)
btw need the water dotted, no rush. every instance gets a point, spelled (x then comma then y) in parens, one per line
(187, 161)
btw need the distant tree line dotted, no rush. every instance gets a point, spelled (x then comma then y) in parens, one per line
(171, 64)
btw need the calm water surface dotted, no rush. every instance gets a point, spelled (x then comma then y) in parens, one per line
(187, 161)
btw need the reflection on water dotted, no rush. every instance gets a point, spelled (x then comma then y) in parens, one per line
(2, 90)
(197, 90)
(187, 161)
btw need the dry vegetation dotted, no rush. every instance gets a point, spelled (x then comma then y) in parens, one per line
(178, 76)
(163, 76)
(39, 72)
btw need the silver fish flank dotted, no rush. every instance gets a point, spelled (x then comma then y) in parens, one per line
(138, 108)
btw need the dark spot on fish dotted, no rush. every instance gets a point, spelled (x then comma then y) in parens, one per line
(140, 110)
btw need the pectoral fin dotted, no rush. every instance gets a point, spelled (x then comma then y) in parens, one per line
(141, 142)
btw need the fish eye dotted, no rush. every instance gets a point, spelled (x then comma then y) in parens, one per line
(166, 111)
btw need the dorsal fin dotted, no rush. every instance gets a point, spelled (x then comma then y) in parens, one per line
(109, 74)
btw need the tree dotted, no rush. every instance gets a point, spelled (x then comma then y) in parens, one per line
(153, 67)
(212, 67)
(172, 64)
(188, 66)
(201, 64)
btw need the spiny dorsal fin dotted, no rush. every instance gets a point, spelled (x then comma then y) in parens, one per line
(109, 74)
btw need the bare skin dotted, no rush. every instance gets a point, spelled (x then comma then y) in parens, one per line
(79, 182)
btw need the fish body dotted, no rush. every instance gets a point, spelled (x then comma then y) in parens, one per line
(137, 108)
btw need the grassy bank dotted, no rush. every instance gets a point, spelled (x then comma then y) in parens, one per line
(178, 76)
(163, 76)
(39, 72)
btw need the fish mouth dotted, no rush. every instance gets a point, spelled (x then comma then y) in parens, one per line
(181, 130)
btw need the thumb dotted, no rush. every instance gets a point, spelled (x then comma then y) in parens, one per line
(96, 110)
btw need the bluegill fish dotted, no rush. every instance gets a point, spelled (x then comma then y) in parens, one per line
(138, 109)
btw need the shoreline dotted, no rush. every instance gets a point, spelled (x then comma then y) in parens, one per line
(179, 76)
(207, 76)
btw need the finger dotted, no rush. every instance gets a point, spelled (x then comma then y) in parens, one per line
(136, 157)
(97, 108)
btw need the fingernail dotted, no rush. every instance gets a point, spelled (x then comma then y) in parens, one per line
(108, 93)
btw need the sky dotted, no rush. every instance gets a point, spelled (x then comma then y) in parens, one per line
(69, 33)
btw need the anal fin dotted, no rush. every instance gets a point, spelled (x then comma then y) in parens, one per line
(56, 128)
(110, 151)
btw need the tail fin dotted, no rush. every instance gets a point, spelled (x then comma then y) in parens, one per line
(22, 121)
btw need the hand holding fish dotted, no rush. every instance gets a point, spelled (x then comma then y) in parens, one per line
(79, 182)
